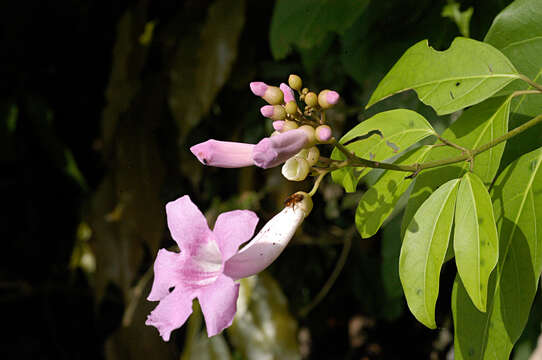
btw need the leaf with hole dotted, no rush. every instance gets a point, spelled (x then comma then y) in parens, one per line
(466, 74)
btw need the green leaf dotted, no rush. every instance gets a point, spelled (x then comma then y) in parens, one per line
(466, 74)
(476, 244)
(461, 18)
(423, 251)
(378, 202)
(384, 135)
(263, 328)
(517, 203)
(306, 23)
(517, 32)
(476, 126)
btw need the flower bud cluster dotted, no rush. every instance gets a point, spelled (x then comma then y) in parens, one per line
(287, 115)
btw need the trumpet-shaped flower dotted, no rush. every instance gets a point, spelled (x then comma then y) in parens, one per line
(269, 152)
(209, 262)
(197, 271)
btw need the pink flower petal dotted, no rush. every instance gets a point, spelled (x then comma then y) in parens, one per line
(288, 93)
(273, 151)
(187, 225)
(165, 273)
(172, 312)
(219, 303)
(258, 88)
(224, 154)
(232, 229)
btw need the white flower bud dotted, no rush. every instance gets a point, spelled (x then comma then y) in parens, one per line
(296, 169)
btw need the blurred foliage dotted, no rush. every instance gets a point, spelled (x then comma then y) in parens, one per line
(100, 103)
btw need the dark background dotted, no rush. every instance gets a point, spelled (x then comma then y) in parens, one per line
(97, 115)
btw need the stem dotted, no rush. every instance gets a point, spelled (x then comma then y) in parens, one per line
(353, 160)
(449, 143)
(317, 182)
(531, 82)
(332, 278)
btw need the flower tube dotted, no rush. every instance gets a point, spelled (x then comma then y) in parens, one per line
(224, 154)
(269, 243)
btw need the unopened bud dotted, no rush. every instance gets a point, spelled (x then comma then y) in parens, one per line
(291, 107)
(309, 131)
(295, 82)
(289, 125)
(278, 125)
(296, 169)
(288, 93)
(322, 133)
(272, 94)
(274, 112)
(311, 99)
(328, 98)
(258, 88)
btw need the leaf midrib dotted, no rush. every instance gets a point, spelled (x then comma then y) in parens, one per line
(429, 247)
(499, 270)
(437, 82)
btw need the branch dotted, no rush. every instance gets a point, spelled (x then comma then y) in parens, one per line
(353, 160)
(536, 85)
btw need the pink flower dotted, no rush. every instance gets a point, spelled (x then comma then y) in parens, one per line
(198, 270)
(209, 261)
(269, 152)
(275, 150)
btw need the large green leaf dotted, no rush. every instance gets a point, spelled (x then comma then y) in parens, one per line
(466, 74)
(378, 202)
(424, 249)
(306, 23)
(476, 244)
(517, 32)
(476, 126)
(517, 203)
(386, 134)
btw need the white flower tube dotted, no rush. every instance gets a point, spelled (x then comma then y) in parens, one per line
(269, 243)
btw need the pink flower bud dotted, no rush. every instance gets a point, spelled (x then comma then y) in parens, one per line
(322, 133)
(273, 151)
(225, 154)
(332, 97)
(258, 88)
(288, 93)
(328, 98)
(267, 111)
(278, 125)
